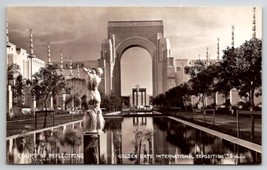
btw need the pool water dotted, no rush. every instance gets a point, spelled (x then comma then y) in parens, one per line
(131, 140)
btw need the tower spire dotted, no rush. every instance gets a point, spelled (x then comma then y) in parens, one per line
(31, 45)
(218, 49)
(207, 55)
(233, 35)
(48, 54)
(254, 23)
(7, 37)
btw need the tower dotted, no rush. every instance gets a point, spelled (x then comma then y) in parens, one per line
(218, 49)
(31, 55)
(7, 37)
(233, 36)
(31, 45)
(254, 24)
(61, 62)
(207, 55)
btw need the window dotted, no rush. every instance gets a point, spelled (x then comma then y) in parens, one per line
(178, 68)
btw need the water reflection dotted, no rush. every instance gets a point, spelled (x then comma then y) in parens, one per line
(130, 140)
(60, 145)
(147, 140)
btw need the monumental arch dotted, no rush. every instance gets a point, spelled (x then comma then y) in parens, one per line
(149, 35)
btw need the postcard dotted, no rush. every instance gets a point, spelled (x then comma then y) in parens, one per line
(134, 85)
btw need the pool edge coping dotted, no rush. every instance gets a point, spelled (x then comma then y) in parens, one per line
(238, 141)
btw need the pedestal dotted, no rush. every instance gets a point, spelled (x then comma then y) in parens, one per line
(91, 148)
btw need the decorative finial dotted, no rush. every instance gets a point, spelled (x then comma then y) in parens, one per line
(254, 23)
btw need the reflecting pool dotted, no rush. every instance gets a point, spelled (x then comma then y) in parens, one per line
(131, 140)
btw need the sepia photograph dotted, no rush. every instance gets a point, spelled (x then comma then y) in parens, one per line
(134, 85)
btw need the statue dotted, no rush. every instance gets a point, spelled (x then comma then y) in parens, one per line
(93, 119)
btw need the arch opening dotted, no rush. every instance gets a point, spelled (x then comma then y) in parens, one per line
(136, 68)
(122, 47)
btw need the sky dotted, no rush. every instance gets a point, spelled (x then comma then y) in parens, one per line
(79, 32)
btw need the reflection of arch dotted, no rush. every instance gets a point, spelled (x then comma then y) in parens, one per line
(134, 41)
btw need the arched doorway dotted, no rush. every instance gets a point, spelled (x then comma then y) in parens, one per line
(136, 69)
(123, 35)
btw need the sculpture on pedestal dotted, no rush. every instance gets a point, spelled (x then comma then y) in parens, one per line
(93, 119)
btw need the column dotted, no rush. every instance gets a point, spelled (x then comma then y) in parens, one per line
(142, 103)
(145, 97)
(137, 98)
(133, 97)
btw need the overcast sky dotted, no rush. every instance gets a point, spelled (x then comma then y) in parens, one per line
(79, 32)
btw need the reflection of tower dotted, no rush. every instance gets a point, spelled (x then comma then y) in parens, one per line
(254, 23)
